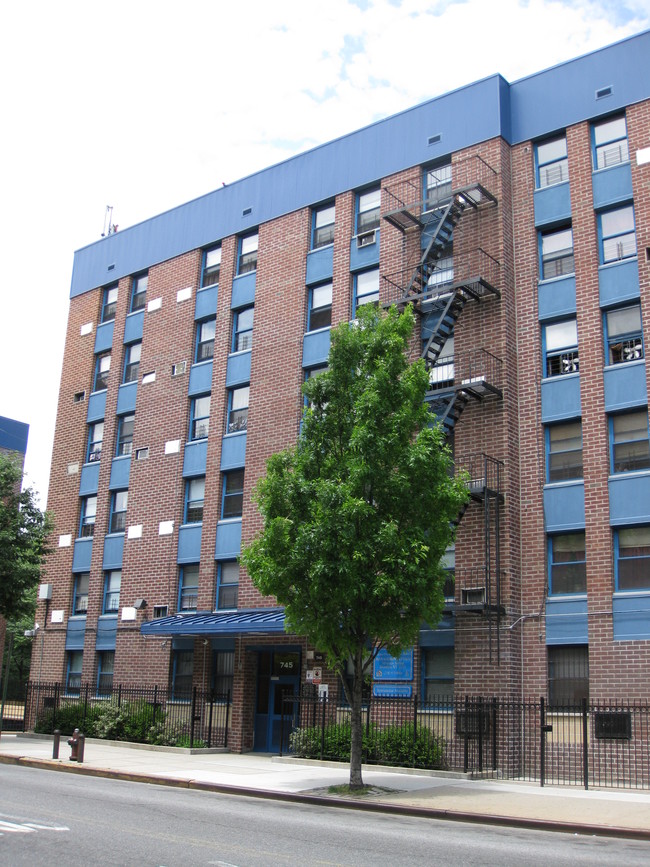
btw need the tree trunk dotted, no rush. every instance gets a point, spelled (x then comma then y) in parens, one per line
(356, 722)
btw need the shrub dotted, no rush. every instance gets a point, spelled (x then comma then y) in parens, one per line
(68, 717)
(129, 721)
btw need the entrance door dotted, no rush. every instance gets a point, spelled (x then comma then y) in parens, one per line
(278, 677)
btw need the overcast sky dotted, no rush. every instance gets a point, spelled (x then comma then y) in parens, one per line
(144, 105)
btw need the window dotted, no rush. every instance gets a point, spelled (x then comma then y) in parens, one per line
(320, 307)
(88, 515)
(200, 417)
(610, 143)
(95, 439)
(560, 343)
(227, 584)
(437, 186)
(233, 494)
(438, 666)
(552, 162)
(557, 253)
(223, 670)
(309, 373)
(567, 563)
(623, 334)
(248, 253)
(194, 495)
(443, 271)
(188, 587)
(568, 675)
(564, 451)
(205, 339)
(211, 266)
(632, 558)
(629, 439)
(132, 362)
(242, 330)
(80, 593)
(182, 668)
(105, 666)
(73, 674)
(112, 583)
(366, 288)
(139, 292)
(102, 369)
(617, 234)
(323, 226)
(119, 502)
(368, 204)
(238, 409)
(125, 425)
(109, 303)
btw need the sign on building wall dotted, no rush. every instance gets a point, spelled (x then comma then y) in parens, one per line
(392, 690)
(387, 667)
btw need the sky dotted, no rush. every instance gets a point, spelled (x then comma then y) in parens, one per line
(145, 105)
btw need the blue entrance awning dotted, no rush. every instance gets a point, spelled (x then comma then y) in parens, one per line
(219, 623)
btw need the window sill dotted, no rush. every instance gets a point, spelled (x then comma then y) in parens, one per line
(613, 263)
(609, 168)
(623, 364)
(572, 597)
(627, 474)
(544, 281)
(627, 594)
(99, 390)
(318, 330)
(235, 433)
(565, 483)
(562, 376)
(238, 352)
(229, 520)
(322, 247)
(202, 362)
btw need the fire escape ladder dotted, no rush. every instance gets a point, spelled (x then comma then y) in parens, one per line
(448, 407)
(451, 306)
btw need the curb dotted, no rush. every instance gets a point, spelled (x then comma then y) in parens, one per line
(339, 803)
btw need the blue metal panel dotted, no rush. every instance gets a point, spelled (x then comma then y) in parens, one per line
(625, 386)
(631, 616)
(195, 458)
(75, 633)
(552, 204)
(189, 543)
(320, 265)
(560, 398)
(206, 302)
(233, 451)
(228, 542)
(120, 472)
(133, 327)
(96, 406)
(316, 347)
(113, 551)
(564, 506)
(104, 336)
(238, 369)
(13, 435)
(364, 257)
(566, 620)
(126, 397)
(243, 290)
(220, 623)
(81, 556)
(106, 632)
(557, 298)
(629, 499)
(443, 636)
(89, 479)
(612, 185)
(200, 378)
(618, 281)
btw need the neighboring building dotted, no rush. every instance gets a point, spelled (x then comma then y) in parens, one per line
(516, 219)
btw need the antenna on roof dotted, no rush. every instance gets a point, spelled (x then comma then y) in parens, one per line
(109, 226)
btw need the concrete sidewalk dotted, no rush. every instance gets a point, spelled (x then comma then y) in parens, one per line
(433, 794)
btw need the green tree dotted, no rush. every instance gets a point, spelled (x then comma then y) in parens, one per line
(359, 513)
(22, 647)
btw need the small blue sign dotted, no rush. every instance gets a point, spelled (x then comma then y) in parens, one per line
(387, 667)
(392, 690)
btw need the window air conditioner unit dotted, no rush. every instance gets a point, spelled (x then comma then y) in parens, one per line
(472, 596)
(366, 238)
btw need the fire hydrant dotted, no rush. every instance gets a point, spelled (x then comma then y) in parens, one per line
(73, 743)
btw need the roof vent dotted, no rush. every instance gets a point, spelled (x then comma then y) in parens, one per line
(246, 212)
(604, 91)
(434, 139)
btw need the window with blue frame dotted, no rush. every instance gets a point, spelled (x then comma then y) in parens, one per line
(125, 425)
(248, 253)
(139, 292)
(319, 314)
(623, 334)
(617, 235)
(88, 515)
(105, 668)
(567, 563)
(205, 332)
(200, 417)
(632, 558)
(73, 673)
(564, 451)
(311, 372)
(119, 502)
(232, 504)
(188, 587)
(437, 186)
(132, 354)
(194, 496)
(109, 303)
(323, 226)
(551, 162)
(80, 593)
(366, 288)
(368, 205)
(438, 675)
(242, 329)
(102, 369)
(112, 584)
(227, 584)
(238, 409)
(211, 266)
(610, 142)
(560, 347)
(95, 439)
(223, 671)
(556, 253)
(182, 667)
(629, 439)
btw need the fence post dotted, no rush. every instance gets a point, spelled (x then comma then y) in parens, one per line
(322, 729)
(225, 736)
(155, 703)
(480, 734)
(210, 720)
(119, 696)
(466, 736)
(494, 733)
(415, 727)
(585, 746)
(56, 704)
(85, 705)
(193, 716)
(542, 741)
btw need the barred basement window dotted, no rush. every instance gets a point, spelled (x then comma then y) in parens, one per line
(613, 725)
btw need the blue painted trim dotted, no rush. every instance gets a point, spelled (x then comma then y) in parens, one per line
(75, 633)
(82, 554)
(96, 407)
(104, 336)
(552, 204)
(228, 541)
(126, 398)
(564, 506)
(133, 327)
(243, 290)
(206, 302)
(625, 386)
(189, 543)
(233, 451)
(106, 632)
(557, 298)
(612, 185)
(316, 347)
(120, 472)
(566, 620)
(320, 265)
(89, 481)
(13, 435)
(238, 368)
(364, 257)
(631, 616)
(200, 379)
(629, 499)
(113, 551)
(195, 458)
(618, 282)
(561, 398)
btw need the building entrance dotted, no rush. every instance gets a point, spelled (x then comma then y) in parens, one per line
(278, 676)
